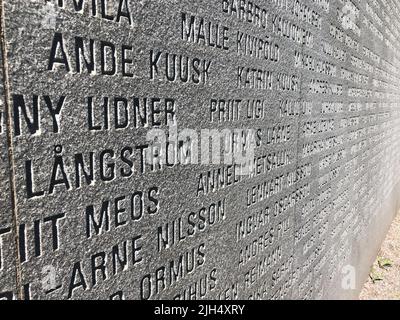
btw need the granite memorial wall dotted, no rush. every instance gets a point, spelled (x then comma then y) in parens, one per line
(207, 149)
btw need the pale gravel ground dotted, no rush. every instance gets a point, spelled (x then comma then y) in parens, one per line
(389, 287)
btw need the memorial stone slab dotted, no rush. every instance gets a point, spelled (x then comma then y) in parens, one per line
(207, 149)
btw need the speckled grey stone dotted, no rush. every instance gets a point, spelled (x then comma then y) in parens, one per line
(330, 199)
(8, 261)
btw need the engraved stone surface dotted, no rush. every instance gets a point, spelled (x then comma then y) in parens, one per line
(207, 149)
(7, 237)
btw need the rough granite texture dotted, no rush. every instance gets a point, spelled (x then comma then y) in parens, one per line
(328, 135)
(8, 261)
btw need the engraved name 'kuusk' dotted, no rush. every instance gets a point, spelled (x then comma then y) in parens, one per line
(179, 68)
(112, 10)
